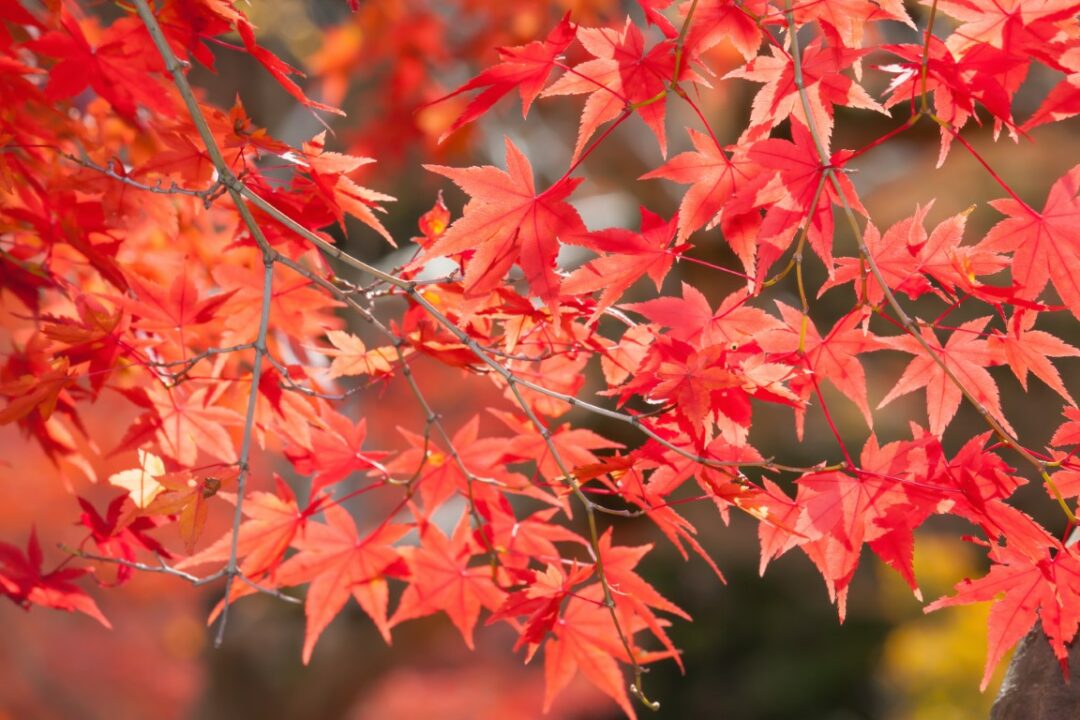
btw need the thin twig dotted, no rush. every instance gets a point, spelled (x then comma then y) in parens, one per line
(226, 178)
(161, 568)
(207, 195)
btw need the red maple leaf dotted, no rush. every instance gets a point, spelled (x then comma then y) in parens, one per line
(999, 23)
(1027, 350)
(791, 195)
(525, 67)
(715, 21)
(630, 589)
(709, 384)
(441, 579)
(836, 512)
(280, 69)
(584, 640)
(94, 338)
(296, 307)
(1046, 245)
(36, 386)
(119, 535)
(336, 451)
(834, 357)
(699, 384)
(1068, 433)
(573, 445)
(22, 581)
(438, 475)
(691, 319)
(982, 74)
(339, 563)
(190, 423)
(272, 523)
(713, 178)
(1063, 100)
(966, 355)
(846, 19)
(520, 541)
(158, 309)
(506, 222)
(628, 256)
(622, 74)
(542, 601)
(836, 508)
(59, 218)
(979, 474)
(114, 68)
(326, 176)
(823, 80)
(909, 259)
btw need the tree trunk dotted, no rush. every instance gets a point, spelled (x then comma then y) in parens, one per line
(1034, 687)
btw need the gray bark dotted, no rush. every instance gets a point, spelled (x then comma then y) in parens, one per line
(1034, 687)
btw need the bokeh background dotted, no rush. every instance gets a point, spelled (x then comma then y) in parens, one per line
(759, 647)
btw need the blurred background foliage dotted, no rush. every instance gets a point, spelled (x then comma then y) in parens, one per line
(765, 648)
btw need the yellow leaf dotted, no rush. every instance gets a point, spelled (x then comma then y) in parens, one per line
(353, 358)
(141, 482)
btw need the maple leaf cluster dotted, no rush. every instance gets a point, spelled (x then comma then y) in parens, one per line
(172, 261)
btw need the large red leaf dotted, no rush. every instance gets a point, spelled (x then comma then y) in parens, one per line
(339, 563)
(506, 222)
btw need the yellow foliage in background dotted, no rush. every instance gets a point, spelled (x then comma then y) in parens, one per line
(931, 664)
